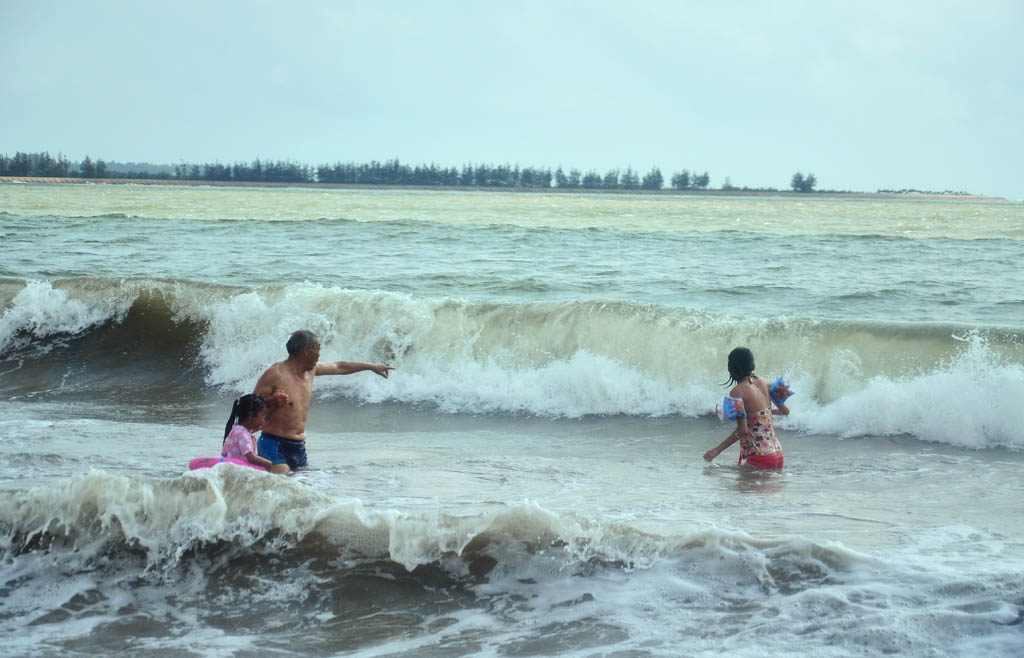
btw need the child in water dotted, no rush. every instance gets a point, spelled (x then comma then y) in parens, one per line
(754, 428)
(250, 411)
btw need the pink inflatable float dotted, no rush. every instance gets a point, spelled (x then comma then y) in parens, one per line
(209, 462)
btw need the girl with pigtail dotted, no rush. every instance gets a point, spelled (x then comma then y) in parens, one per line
(248, 414)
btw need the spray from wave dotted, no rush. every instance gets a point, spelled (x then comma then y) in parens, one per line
(965, 400)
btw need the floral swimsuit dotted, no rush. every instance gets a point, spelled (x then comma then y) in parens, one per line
(761, 448)
(761, 441)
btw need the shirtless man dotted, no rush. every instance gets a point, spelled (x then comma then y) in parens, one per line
(287, 387)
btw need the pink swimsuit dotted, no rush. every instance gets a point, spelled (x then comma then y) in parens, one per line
(238, 443)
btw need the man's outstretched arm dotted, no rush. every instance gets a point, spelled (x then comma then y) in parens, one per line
(350, 367)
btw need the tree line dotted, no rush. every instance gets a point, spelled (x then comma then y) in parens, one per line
(390, 172)
(35, 164)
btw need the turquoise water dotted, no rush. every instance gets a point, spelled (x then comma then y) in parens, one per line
(529, 480)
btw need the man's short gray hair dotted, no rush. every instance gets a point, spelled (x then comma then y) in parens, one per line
(299, 341)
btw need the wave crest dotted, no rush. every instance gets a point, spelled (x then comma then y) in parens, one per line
(560, 359)
(101, 519)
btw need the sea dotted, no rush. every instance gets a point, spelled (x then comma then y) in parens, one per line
(529, 481)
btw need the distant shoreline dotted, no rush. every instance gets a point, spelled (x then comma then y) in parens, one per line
(37, 180)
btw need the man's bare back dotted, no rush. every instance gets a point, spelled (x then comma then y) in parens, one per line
(287, 386)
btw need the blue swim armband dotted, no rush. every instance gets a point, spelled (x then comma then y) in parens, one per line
(730, 409)
(780, 391)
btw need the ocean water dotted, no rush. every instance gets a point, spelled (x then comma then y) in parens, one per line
(529, 481)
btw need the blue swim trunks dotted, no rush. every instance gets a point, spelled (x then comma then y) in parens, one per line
(281, 450)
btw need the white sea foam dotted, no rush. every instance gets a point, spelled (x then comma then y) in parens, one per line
(573, 360)
(39, 310)
(536, 577)
(100, 514)
(968, 401)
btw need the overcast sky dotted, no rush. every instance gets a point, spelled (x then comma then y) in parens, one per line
(919, 94)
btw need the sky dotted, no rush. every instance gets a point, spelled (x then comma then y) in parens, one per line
(919, 94)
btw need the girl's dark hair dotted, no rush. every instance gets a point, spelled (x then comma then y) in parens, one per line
(244, 407)
(741, 365)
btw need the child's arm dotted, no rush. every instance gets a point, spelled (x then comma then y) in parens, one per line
(259, 461)
(275, 399)
(778, 397)
(741, 429)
